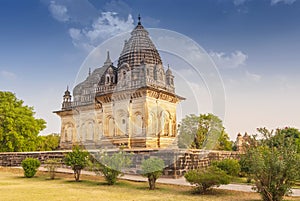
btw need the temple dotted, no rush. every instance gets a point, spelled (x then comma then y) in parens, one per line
(132, 105)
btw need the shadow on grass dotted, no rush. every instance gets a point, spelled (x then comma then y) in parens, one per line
(81, 182)
(55, 179)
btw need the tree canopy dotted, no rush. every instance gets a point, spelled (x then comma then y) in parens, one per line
(19, 128)
(48, 142)
(289, 133)
(205, 131)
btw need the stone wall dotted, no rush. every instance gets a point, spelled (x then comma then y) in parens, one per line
(15, 158)
(177, 161)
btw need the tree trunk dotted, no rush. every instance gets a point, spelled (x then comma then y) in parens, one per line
(77, 174)
(151, 183)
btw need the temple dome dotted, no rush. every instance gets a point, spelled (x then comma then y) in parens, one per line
(139, 48)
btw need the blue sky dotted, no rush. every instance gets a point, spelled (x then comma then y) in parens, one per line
(254, 43)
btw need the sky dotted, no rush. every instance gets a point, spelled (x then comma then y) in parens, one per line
(254, 44)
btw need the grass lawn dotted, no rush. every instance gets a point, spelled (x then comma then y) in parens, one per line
(13, 186)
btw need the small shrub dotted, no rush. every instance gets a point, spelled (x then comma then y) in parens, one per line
(110, 166)
(77, 159)
(230, 166)
(30, 166)
(52, 165)
(204, 179)
(152, 168)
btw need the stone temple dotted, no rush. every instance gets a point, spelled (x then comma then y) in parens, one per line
(130, 105)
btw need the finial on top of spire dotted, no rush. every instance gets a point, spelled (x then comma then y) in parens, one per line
(67, 87)
(139, 18)
(168, 66)
(108, 57)
(89, 71)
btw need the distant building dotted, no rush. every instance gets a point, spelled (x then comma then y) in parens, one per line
(132, 104)
(242, 142)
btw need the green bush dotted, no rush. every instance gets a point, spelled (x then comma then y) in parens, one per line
(110, 166)
(77, 159)
(152, 168)
(274, 163)
(230, 166)
(204, 179)
(52, 165)
(30, 166)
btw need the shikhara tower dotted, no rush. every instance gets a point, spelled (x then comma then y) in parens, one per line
(131, 105)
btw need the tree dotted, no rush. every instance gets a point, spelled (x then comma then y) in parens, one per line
(203, 132)
(204, 179)
(77, 159)
(52, 165)
(293, 134)
(274, 163)
(30, 166)
(152, 169)
(224, 142)
(19, 128)
(189, 131)
(48, 142)
(111, 165)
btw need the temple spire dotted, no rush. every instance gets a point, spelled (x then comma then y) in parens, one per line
(108, 60)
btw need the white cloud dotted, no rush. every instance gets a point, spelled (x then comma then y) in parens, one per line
(8, 75)
(233, 60)
(253, 76)
(75, 34)
(59, 12)
(273, 2)
(119, 7)
(104, 27)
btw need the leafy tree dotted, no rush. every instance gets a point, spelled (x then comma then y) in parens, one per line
(293, 134)
(274, 163)
(230, 166)
(152, 169)
(48, 142)
(204, 179)
(203, 132)
(30, 166)
(18, 126)
(224, 142)
(111, 165)
(77, 159)
(189, 131)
